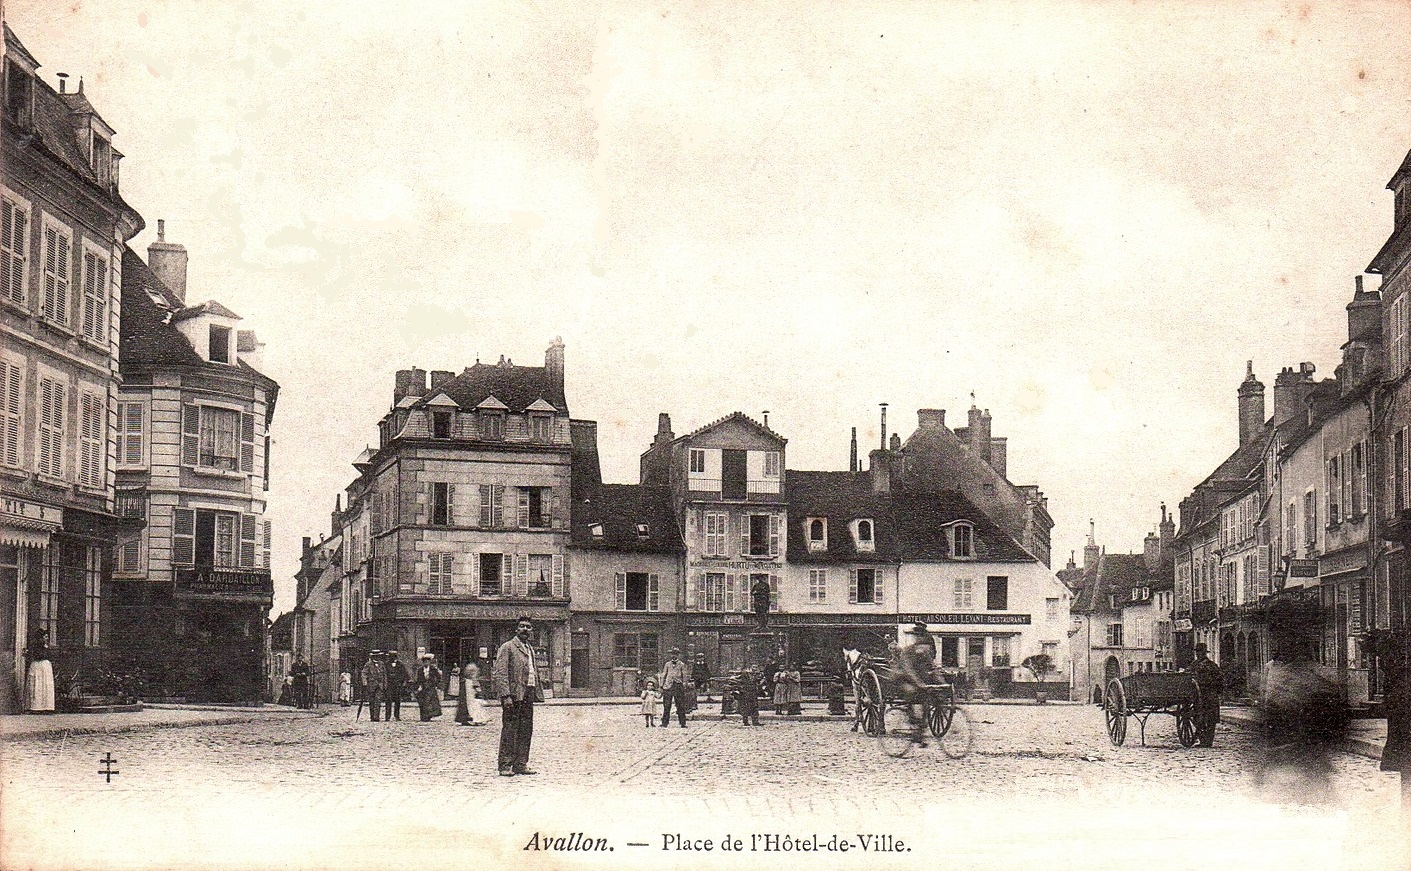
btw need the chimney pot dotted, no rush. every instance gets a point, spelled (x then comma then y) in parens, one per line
(168, 261)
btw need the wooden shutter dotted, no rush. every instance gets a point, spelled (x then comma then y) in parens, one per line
(653, 592)
(522, 494)
(555, 511)
(730, 593)
(744, 521)
(450, 504)
(621, 579)
(247, 443)
(130, 556)
(133, 423)
(506, 574)
(876, 587)
(15, 244)
(10, 450)
(264, 547)
(774, 592)
(692, 588)
(487, 498)
(497, 506)
(191, 435)
(852, 586)
(521, 574)
(427, 502)
(183, 540)
(773, 535)
(247, 541)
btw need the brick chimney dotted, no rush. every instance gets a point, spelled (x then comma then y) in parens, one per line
(1291, 389)
(852, 452)
(1151, 551)
(439, 377)
(1167, 528)
(656, 461)
(1091, 551)
(553, 361)
(980, 433)
(931, 418)
(880, 465)
(1251, 404)
(409, 382)
(999, 455)
(168, 261)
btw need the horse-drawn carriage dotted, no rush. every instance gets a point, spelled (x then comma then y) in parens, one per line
(1158, 692)
(884, 710)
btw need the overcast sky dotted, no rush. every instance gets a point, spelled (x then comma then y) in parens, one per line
(1089, 214)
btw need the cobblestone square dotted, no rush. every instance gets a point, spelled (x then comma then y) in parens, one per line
(296, 790)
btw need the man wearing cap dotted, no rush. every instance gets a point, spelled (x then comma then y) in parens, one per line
(515, 679)
(673, 687)
(1210, 682)
(397, 679)
(374, 683)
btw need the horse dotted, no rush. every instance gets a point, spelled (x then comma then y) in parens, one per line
(854, 661)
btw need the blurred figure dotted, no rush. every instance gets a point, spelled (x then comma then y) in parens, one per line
(1211, 682)
(39, 676)
(1303, 707)
(747, 697)
(345, 688)
(1393, 648)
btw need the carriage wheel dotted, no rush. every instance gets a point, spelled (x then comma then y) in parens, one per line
(1185, 725)
(872, 702)
(956, 741)
(939, 714)
(1115, 710)
(895, 732)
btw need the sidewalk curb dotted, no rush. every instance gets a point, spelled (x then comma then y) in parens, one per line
(120, 729)
(1357, 746)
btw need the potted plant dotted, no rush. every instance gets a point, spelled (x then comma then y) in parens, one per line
(1040, 665)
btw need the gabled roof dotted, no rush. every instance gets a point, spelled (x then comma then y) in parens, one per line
(1117, 574)
(209, 307)
(735, 415)
(840, 497)
(515, 388)
(922, 519)
(620, 509)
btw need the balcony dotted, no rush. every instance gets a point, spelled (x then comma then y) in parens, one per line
(226, 583)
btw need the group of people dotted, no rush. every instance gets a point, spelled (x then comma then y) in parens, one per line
(668, 688)
(386, 680)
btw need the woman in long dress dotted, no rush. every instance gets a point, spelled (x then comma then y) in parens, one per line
(39, 678)
(470, 711)
(345, 688)
(428, 688)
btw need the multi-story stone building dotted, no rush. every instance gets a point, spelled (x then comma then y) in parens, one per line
(458, 522)
(191, 592)
(318, 585)
(727, 488)
(61, 241)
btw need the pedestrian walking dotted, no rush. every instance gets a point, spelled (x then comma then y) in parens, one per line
(345, 688)
(651, 699)
(673, 688)
(1211, 682)
(374, 675)
(397, 679)
(747, 697)
(301, 690)
(788, 691)
(470, 710)
(516, 682)
(453, 684)
(700, 676)
(428, 688)
(39, 676)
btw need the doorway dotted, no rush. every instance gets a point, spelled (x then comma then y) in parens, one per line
(732, 655)
(732, 474)
(578, 667)
(974, 653)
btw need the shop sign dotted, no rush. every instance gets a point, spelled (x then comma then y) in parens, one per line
(31, 511)
(979, 619)
(211, 581)
(1183, 624)
(1303, 568)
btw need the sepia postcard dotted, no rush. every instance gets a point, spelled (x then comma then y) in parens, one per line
(703, 434)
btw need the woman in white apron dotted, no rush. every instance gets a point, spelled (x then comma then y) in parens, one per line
(39, 679)
(470, 711)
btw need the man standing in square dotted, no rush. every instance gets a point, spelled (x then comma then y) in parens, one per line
(397, 679)
(516, 681)
(673, 688)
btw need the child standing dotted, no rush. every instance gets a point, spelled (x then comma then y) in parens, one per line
(651, 701)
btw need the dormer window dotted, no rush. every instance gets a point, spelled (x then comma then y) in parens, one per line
(817, 534)
(643, 531)
(441, 424)
(596, 531)
(19, 95)
(962, 540)
(863, 535)
(219, 344)
(492, 425)
(541, 427)
(102, 159)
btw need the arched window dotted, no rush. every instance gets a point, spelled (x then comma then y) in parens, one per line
(815, 530)
(864, 530)
(962, 540)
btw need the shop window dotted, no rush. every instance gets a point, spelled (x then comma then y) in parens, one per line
(950, 652)
(999, 651)
(637, 650)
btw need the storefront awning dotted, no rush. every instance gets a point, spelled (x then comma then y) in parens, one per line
(19, 532)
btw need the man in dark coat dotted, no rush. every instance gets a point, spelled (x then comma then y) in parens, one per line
(517, 683)
(397, 679)
(374, 676)
(1211, 683)
(303, 694)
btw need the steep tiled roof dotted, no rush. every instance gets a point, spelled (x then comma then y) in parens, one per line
(1117, 574)
(734, 415)
(620, 509)
(518, 387)
(146, 336)
(208, 307)
(907, 525)
(841, 497)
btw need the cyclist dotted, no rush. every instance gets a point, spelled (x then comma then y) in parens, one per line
(915, 667)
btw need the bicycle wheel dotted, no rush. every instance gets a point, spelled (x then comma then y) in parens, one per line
(939, 713)
(895, 732)
(955, 743)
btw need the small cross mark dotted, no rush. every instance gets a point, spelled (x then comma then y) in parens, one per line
(108, 771)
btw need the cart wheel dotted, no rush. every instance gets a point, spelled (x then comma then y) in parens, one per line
(1115, 710)
(895, 733)
(956, 741)
(872, 701)
(1185, 726)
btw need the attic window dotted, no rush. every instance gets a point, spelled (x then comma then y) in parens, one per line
(817, 534)
(962, 540)
(643, 530)
(19, 94)
(220, 344)
(540, 427)
(862, 534)
(102, 158)
(596, 530)
(492, 425)
(157, 299)
(441, 425)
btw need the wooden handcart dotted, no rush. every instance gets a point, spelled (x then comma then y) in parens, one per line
(1159, 692)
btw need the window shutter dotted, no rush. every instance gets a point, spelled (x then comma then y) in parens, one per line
(729, 592)
(264, 549)
(523, 507)
(450, 504)
(183, 542)
(744, 523)
(428, 499)
(486, 499)
(852, 586)
(130, 556)
(247, 443)
(506, 574)
(774, 592)
(423, 572)
(191, 435)
(621, 591)
(10, 455)
(876, 587)
(521, 574)
(557, 587)
(134, 414)
(555, 511)
(498, 520)
(691, 590)
(653, 592)
(773, 535)
(247, 541)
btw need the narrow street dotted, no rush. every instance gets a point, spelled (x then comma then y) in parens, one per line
(307, 790)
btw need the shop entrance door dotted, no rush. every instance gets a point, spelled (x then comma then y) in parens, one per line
(578, 668)
(974, 654)
(732, 655)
